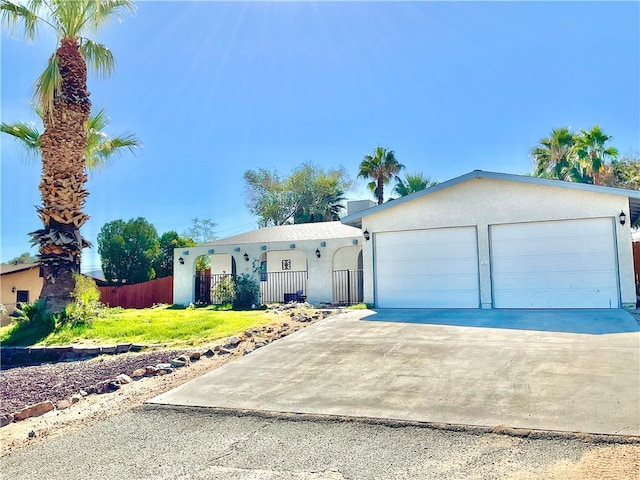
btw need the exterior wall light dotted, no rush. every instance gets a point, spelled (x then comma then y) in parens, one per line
(318, 254)
(181, 261)
(246, 257)
(623, 218)
(366, 235)
(13, 290)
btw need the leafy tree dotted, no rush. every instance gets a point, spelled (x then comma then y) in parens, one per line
(412, 183)
(163, 263)
(381, 167)
(100, 146)
(592, 153)
(61, 92)
(553, 156)
(127, 250)
(22, 259)
(201, 230)
(623, 172)
(309, 194)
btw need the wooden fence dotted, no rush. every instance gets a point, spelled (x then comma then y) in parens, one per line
(636, 260)
(139, 295)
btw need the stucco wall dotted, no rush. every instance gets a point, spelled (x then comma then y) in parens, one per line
(303, 257)
(483, 202)
(221, 263)
(29, 280)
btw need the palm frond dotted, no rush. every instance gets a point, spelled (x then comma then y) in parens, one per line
(14, 14)
(107, 9)
(48, 85)
(98, 57)
(27, 135)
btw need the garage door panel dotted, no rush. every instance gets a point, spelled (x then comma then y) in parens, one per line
(560, 264)
(427, 268)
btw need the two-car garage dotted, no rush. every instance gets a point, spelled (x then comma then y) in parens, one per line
(487, 240)
(558, 264)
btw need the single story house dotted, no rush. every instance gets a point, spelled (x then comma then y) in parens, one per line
(319, 262)
(19, 283)
(494, 240)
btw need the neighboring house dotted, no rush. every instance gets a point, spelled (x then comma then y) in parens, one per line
(320, 262)
(492, 240)
(19, 283)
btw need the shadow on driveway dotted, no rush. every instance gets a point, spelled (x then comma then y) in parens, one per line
(587, 321)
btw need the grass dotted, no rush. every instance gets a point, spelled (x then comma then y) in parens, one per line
(165, 325)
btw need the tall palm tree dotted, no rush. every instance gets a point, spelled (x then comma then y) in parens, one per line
(553, 156)
(381, 167)
(100, 146)
(61, 91)
(412, 183)
(592, 153)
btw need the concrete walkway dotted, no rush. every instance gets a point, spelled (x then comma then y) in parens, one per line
(578, 371)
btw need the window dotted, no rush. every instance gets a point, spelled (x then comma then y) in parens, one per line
(263, 271)
(22, 296)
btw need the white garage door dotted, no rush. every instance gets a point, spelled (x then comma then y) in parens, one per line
(427, 268)
(563, 264)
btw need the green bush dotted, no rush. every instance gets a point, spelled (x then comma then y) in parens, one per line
(247, 291)
(224, 291)
(36, 314)
(86, 302)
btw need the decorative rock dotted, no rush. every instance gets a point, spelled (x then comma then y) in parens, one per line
(91, 389)
(177, 363)
(136, 347)
(261, 344)
(150, 370)
(217, 348)
(194, 356)
(234, 340)
(123, 347)
(164, 371)
(163, 366)
(139, 372)
(184, 358)
(209, 353)
(83, 393)
(32, 434)
(6, 419)
(124, 379)
(223, 351)
(248, 334)
(285, 324)
(107, 386)
(75, 398)
(34, 410)
(62, 404)
(246, 352)
(110, 349)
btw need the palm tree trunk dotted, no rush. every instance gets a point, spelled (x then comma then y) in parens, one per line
(380, 190)
(63, 177)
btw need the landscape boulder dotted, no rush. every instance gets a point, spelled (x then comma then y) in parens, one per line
(34, 410)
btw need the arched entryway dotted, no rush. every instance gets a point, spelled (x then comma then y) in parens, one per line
(348, 279)
(210, 270)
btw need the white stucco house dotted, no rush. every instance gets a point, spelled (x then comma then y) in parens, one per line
(492, 240)
(319, 262)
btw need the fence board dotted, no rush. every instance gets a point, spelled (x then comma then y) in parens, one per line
(139, 295)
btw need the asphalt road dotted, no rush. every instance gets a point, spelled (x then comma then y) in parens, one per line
(157, 442)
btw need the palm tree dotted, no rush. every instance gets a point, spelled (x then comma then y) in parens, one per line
(592, 154)
(381, 167)
(100, 146)
(413, 182)
(61, 92)
(553, 156)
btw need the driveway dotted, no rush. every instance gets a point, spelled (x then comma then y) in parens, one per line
(563, 370)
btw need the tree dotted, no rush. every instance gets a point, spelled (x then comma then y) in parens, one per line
(576, 157)
(381, 167)
(553, 156)
(23, 259)
(201, 230)
(413, 183)
(127, 250)
(309, 194)
(100, 146)
(592, 154)
(163, 263)
(61, 92)
(623, 172)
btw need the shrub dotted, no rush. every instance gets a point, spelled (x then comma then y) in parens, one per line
(36, 314)
(247, 291)
(86, 302)
(224, 291)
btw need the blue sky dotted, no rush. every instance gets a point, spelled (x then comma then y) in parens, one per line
(213, 89)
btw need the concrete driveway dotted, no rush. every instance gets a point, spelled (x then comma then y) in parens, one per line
(563, 370)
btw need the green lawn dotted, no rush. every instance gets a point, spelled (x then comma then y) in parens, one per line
(165, 325)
